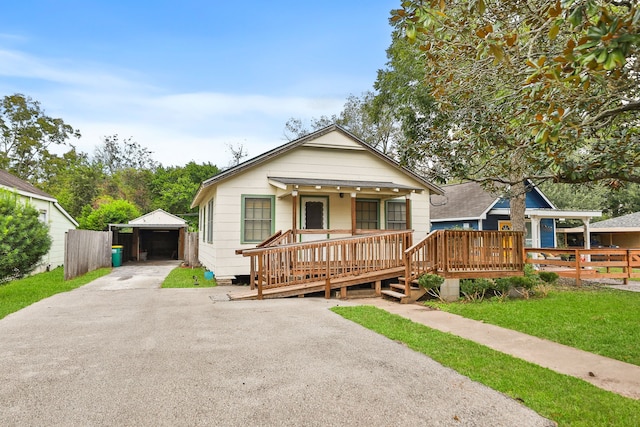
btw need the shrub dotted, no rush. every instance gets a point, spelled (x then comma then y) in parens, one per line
(501, 287)
(548, 276)
(475, 289)
(24, 239)
(432, 283)
(523, 284)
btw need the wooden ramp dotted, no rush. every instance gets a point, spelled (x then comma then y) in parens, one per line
(301, 289)
(281, 268)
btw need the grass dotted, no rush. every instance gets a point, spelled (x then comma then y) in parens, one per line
(564, 399)
(619, 270)
(21, 293)
(183, 277)
(595, 319)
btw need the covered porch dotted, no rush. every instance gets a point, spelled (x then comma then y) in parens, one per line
(358, 207)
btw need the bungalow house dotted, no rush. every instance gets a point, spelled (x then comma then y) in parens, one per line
(326, 184)
(622, 231)
(470, 206)
(51, 213)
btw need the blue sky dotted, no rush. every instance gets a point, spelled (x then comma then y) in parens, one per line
(187, 78)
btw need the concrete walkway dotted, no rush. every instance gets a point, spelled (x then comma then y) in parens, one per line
(609, 374)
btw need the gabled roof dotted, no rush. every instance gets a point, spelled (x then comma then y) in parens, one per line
(470, 201)
(265, 157)
(25, 189)
(159, 216)
(462, 201)
(14, 183)
(626, 221)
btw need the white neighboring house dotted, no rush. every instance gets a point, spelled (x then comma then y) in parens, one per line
(326, 184)
(51, 213)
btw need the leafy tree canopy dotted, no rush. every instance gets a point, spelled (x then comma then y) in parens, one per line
(374, 125)
(24, 240)
(26, 134)
(555, 81)
(529, 89)
(109, 211)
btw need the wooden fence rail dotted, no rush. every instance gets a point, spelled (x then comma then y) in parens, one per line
(587, 263)
(466, 253)
(86, 251)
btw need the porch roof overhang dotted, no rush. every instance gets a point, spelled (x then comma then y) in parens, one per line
(552, 213)
(287, 185)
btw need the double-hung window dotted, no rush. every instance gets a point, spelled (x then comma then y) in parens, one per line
(210, 222)
(396, 215)
(257, 218)
(367, 214)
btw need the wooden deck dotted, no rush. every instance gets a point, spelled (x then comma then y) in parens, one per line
(280, 268)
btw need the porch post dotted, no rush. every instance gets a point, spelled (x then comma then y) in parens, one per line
(294, 212)
(353, 214)
(587, 233)
(407, 209)
(587, 237)
(535, 231)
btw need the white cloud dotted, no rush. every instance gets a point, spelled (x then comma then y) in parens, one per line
(177, 127)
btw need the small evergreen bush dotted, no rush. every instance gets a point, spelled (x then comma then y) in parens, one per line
(24, 239)
(548, 276)
(475, 289)
(432, 283)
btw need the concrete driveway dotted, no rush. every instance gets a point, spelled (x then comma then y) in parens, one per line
(119, 351)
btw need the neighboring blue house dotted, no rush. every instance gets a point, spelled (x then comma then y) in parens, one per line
(469, 206)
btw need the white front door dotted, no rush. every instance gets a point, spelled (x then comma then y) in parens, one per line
(313, 216)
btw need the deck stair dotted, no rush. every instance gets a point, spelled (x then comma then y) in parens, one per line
(397, 292)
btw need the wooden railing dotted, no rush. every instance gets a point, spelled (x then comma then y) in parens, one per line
(465, 253)
(587, 263)
(326, 260)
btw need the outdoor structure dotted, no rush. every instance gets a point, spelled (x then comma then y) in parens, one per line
(157, 235)
(51, 213)
(623, 232)
(468, 206)
(328, 184)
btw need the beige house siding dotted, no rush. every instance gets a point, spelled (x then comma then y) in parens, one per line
(627, 240)
(58, 225)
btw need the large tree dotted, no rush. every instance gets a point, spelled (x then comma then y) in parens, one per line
(26, 135)
(529, 89)
(375, 125)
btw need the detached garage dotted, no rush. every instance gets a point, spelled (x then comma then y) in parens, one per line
(157, 235)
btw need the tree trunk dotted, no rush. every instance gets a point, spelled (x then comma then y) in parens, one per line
(517, 205)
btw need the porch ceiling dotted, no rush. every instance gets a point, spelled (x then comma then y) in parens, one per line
(287, 185)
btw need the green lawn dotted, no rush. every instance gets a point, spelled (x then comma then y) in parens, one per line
(564, 399)
(181, 277)
(18, 294)
(619, 270)
(596, 319)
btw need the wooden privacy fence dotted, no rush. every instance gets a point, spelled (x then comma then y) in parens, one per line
(326, 260)
(587, 263)
(191, 256)
(86, 251)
